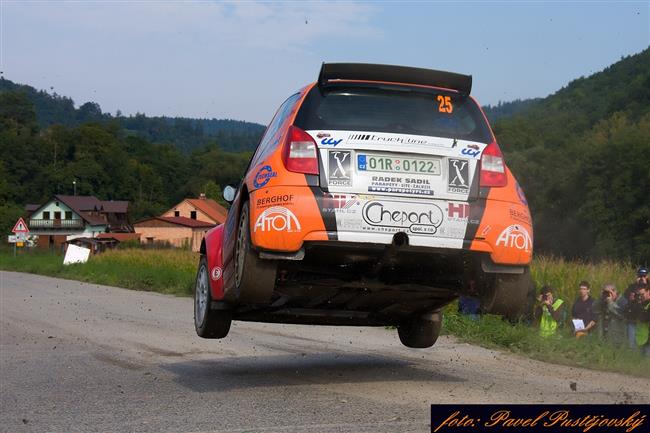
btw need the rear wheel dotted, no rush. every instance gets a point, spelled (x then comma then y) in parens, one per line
(421, 331)
(508, 295)
(254, 277)
(209, 323)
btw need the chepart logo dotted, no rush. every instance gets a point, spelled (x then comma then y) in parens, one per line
(515, 236)
(416, 217)
(263, 176)
(277, 218)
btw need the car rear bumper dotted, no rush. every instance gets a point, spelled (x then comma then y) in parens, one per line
(284, 218)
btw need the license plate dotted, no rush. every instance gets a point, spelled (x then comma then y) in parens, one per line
(396, 164)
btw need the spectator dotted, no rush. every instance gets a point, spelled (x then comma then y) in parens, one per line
(640, 313)
(642, 276)
(549, 313)
(583, 310)
(630, 293)
(470, 305)
(611, 308)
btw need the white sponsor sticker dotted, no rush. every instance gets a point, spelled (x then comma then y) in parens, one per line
(216, 273)
(386, 215)
(277, 218)
(515, 236)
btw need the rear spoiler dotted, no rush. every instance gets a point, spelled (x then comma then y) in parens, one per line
(330, 72)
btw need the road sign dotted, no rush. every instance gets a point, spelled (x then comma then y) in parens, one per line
(20, 227)
(12, 239)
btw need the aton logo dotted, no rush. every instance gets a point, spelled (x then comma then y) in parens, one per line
(263, 176)
(277, 218)
(416, 217)
(515, 236)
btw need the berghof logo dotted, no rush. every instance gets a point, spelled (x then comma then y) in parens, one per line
(416, 217)
(277, 218)
(515, 236)
(458, 176)
(339, 168)
(263, 176)
(272, 200)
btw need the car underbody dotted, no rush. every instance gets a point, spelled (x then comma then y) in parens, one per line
(340, 283)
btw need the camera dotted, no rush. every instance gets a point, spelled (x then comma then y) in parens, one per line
(605, 294)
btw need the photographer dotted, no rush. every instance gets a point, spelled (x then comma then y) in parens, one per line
(611, 309)
(639, 311)
(549, 313)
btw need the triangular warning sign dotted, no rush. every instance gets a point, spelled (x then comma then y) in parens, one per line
(20, 227)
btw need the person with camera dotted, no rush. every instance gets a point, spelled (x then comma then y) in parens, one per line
(549, 312)
(639, 311)
(582, 313)
(640, 280)
(611, 308)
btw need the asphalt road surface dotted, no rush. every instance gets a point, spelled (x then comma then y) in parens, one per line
(78, 357)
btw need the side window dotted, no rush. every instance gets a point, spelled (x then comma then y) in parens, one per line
(269, 138)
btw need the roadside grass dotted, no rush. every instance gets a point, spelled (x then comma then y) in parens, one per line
(172, 271)
(164, 271)
(520, 338)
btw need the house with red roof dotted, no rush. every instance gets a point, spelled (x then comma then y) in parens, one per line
(200, 209)
(178, 231)
(65, 217)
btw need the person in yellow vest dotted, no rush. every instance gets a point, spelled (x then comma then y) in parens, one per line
(549, 312)
(640, 312)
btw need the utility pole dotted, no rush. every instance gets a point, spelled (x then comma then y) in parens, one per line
(74, 184)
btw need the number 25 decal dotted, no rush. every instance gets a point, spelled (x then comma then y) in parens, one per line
(445, 104)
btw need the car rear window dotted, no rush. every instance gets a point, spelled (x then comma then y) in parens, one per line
(398, 110)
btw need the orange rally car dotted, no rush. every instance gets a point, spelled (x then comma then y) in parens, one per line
(376, 196)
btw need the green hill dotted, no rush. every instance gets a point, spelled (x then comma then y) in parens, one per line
(583, 157)
(184, 133)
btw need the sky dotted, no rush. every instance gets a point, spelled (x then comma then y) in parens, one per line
(240, 60)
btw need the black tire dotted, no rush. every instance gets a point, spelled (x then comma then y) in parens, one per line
(420, 332)
(208, 323)
(254, 277)
(508, 295)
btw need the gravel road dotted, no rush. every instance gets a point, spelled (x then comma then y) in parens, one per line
(78, 357)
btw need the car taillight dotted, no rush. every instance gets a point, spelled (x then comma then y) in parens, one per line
(300, 153)
(493, 169)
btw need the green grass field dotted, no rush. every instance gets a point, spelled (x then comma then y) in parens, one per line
(173, 271)
(165, 271)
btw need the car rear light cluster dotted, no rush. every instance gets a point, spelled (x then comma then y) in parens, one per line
(493, 169)
(300, 153)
